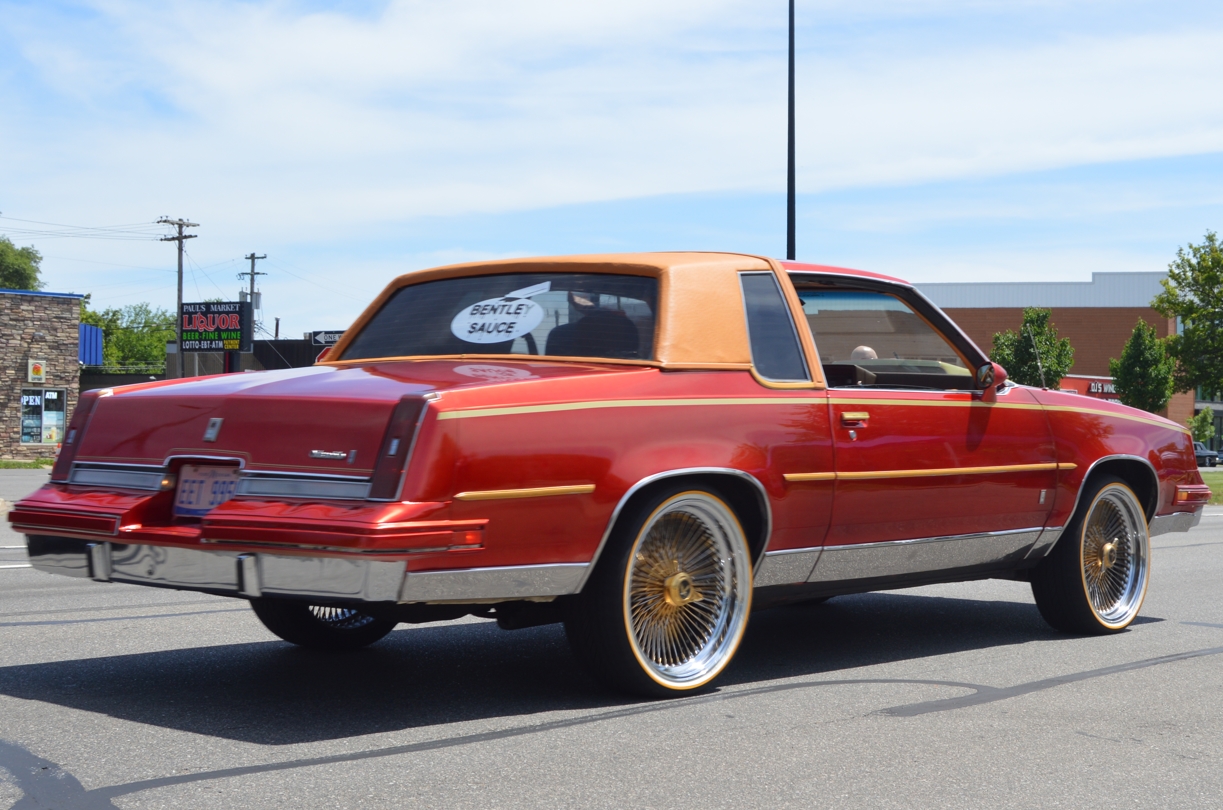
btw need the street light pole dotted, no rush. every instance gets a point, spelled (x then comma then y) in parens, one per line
(790, 237)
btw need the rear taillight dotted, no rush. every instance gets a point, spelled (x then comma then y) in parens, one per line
(396, 449)
(76, 431)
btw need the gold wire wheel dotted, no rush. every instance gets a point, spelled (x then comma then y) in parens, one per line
(688, 590)
(1115, 552)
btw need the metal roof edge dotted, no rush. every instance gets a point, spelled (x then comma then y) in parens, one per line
(42, 294)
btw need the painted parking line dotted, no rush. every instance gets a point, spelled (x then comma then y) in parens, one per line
(19, 546)
(19, 565)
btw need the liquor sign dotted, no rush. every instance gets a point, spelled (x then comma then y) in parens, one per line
(325, 338)
(218, 326)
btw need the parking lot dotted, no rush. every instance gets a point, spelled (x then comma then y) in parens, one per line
(943, 696)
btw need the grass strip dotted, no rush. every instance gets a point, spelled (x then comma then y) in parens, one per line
(1214, 480)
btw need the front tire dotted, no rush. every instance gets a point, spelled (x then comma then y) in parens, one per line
(667, 605)
(1095, 579)
(321, 627)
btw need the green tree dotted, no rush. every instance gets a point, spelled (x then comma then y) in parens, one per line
(19, 266)
(1193, 292)
(1202, 426)
(1014, 351)
(134, 335)
(1143, 375)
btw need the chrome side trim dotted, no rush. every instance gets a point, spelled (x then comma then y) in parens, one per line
(1176, 522)
(900, 557)
(650, 479)
(786, 567)
(508, 582)
(1045, 543)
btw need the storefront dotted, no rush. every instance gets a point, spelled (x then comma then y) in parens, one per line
(40, 373)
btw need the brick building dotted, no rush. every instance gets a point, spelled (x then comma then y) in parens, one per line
(40, 370)
(1097, 316)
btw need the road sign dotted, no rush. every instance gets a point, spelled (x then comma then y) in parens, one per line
(325, 338)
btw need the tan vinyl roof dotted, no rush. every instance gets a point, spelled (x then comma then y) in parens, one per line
(700, 323)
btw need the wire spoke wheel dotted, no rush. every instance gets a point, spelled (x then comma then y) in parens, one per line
(323, 627)
(687, 590)
(341, 618)
(1114, 552)
(1095, 578)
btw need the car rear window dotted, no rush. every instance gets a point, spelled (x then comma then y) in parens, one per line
(558, 314)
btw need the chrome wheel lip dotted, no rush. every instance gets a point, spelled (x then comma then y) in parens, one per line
(1114, 556)
(734, 604)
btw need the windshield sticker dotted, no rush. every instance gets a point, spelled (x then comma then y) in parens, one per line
(496, 320)
(494, 373)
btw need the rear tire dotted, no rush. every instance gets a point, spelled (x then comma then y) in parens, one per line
(321, 627)
(1094, 580)
(666, 607)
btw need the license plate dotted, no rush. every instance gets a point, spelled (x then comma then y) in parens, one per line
(201, 489)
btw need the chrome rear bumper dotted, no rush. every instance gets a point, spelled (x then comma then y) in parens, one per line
(330, 579)
(1175, 522)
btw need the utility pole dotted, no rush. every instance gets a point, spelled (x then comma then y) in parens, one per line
(178, 316)
(235, 357)
(790, 239)
(253, 258)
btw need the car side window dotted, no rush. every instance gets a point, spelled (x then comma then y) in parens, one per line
(867, 337)
(776, 354)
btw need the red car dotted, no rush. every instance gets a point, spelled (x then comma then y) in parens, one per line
(639, 446)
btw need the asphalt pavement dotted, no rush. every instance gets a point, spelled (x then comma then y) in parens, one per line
(951, 696)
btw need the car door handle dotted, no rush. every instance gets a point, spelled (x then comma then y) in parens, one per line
(854, 419)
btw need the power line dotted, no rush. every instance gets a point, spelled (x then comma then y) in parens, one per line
(280, 265)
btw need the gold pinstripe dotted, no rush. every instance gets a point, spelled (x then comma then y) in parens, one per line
(629, 403)
(475, 413)
(534, 492)
(937, 471)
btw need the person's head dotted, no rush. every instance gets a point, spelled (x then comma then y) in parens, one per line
(863, 353)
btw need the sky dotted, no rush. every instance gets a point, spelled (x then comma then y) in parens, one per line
(351, 141)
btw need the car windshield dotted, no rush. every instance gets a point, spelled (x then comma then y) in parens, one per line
(558, 314)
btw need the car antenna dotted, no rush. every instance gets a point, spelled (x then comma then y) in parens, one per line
(1039, 366)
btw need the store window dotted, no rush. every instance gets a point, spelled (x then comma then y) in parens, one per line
(42, 415)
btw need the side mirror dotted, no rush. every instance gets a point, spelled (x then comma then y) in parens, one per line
(990, 375)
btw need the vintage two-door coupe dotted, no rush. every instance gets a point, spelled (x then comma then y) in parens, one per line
(636, 445)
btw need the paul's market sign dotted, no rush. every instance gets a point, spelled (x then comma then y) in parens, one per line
(218, 326)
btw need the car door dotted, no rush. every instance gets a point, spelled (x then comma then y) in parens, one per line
(931, 473)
